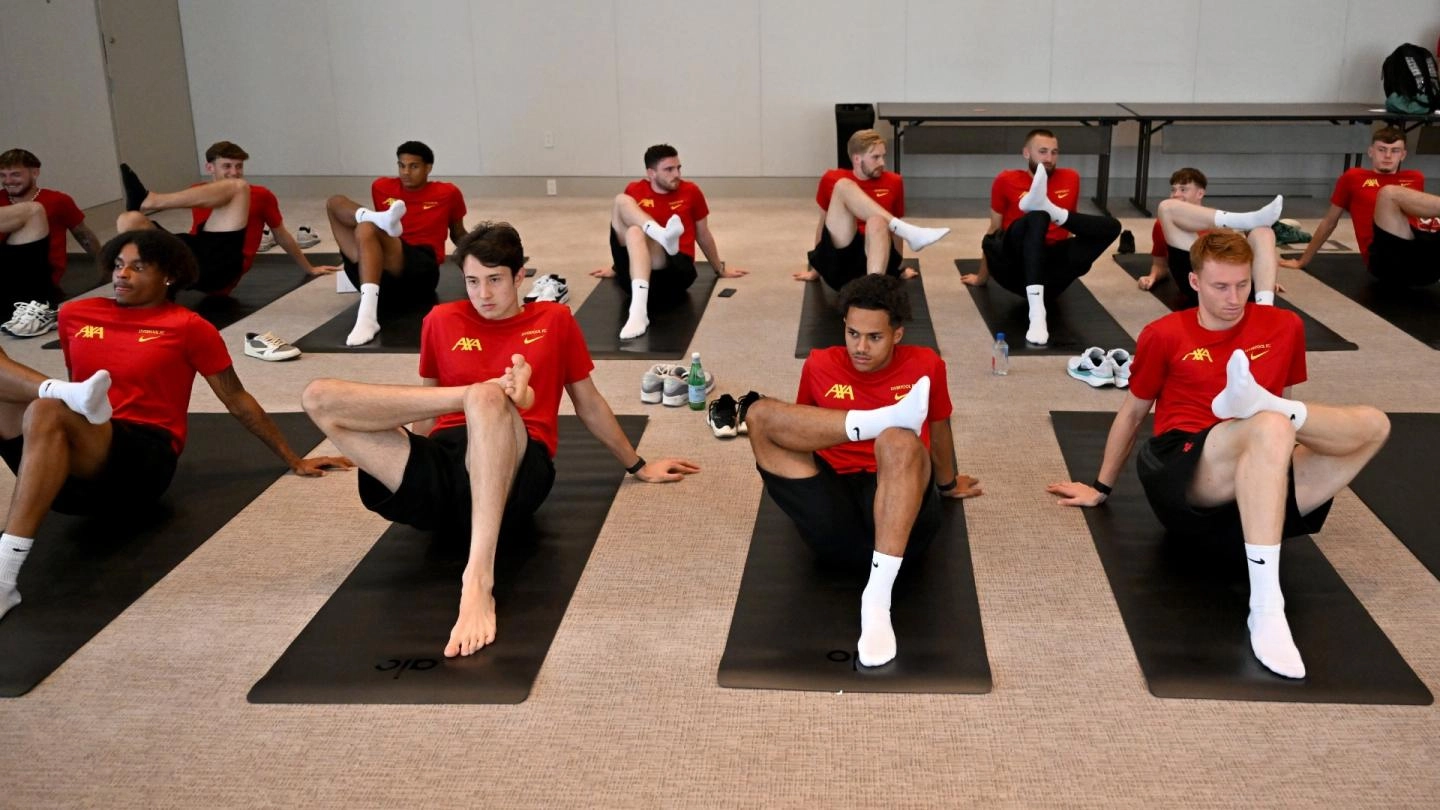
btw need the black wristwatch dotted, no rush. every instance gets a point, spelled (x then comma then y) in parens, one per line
(637, 466)
(1101, 488)
(950, 487)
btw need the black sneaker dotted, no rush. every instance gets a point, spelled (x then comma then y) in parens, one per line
(135, 191)
(746, 401)
(1127, 242)
(722, 416)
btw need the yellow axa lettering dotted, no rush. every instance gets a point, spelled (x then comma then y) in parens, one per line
(1371, 183)
(1200, 354)
(389, 201)
(838, 391)
(465, 344)
(647, 203)
(96, 332)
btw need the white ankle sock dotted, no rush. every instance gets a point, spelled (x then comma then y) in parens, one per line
(367, 320)
(1269, 631)
(877, 637)
(639, 318)
(1039, 332)
(1245, 220)
(916, 237)
(387, 220)
(1243, 397)
(89, 398)
(13, 551)
(1038, 198)
(1265, 298)
(908, 413)
(669, 236)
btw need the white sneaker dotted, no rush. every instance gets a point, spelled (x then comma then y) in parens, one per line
(1120, 366)
(267, 240)
(268, 347)
(32, 319)
(548, 287)
(20, 307)
(306, 238)
(1092, 368)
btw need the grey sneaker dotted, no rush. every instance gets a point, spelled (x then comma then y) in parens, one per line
(652, 383)
(549, 287)
(267, 240)
(306, 238)
(677, 386)
(269, 347)
(32, 319)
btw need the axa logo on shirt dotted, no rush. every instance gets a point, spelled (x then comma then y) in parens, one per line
(839, 391)
(1370, 183)
(647, 203)
(465, 344)
(147, 335)
(390, 201)
(1199, 354)
(94, 332)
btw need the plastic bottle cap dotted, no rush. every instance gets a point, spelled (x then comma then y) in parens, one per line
(695, 357)
(999, 335)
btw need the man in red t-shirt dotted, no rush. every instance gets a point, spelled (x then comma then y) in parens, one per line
(860, 228)
(861, 459)
(33, 222)
(656, 262)
(397, 246)
(1397, 225)
(1037, 243)
(228, 215)
(1182, 218)
(1232, 460)
(110, 440)
(484, 419)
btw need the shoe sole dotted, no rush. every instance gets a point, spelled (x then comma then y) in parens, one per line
(1092, 381)
(675, 402)
(650, 397)
(271, 359)
(721, 432)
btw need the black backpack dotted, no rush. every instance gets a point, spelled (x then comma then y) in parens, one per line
(1411, 80)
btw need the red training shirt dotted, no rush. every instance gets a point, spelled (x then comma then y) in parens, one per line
(686, 202)
(888, 189)
(458, 347)
(152, 354)
(1063, 189)
(1356, 191)
(829, 380)
(63, 214)
(1181, 364)
(429, 210)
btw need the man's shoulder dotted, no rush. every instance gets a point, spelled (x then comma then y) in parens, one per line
(830, 357)
(891, 178)
(258, 191)
(639, 188)
(51, 195)
(1066, 174)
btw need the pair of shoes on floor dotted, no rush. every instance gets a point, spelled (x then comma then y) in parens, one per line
(266, 346)
(549, 287)
(30, 319)
(1098, 368)
(726, 415)
(670, 384)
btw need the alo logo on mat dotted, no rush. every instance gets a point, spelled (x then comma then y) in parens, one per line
(398, 666)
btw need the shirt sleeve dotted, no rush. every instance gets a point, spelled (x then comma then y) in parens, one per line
(69, 213)
(899, 197)
(824, 190)
(429, 369)
(940, 405)
(997, 194)
(377, 196)
(1147, 369)
(1158, 247)
(803, 396)
(204, 348)
(700, 208)
(578, 364)
(1298, 372)
(269, 212)
(457, 204)
(1070, 181)
(1341, 197)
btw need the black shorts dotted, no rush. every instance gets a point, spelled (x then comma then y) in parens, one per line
(137, 471)
(415, 283)
(1180, 269)
(221, 256)
(1167, 465)
(668, 285)
(435, 490)
(836, 513)
(26, 274)
(1409, 262)
(839, 266)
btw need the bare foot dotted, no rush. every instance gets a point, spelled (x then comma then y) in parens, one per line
(476, 625)
(909, 272)
(1146, 282)
(519, 376)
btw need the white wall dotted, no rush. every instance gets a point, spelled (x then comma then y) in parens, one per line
(53, 100)
(744, 88)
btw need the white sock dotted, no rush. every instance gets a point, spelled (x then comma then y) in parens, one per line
(1243, 397)
(367, 320)
(1038, 198)
(1269, 631)
(668, 236)
(13, 551)
(1039, 333)
(639, 319)
(1245, 220)
(89, 398)
(387, 220)
(916, 237)
(1265, 298)
(908, 413)
(877, 637)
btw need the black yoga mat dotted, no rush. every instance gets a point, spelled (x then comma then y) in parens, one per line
(381, 636)
(796, 624)
(671, 328)
(399, 325)
(269, 279)
(821, 325)
(1184, 602)
(1076, 320)
(1412, 310)
(83, 572)
(1400, 487)
(1318, 336)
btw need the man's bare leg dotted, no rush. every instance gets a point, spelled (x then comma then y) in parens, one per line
(851, 200)
(902, 469)
(24, 223)
(371, 240)
(1180, 221)
(1394, 205)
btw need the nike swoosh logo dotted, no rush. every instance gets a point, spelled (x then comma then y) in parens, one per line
(1257, 562)
(528, 341)
(899, 397)
(148, 338)
(1260, 355)
(857, 433)
(874, 565)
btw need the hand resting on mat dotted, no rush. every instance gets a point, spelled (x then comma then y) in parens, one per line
(664, 470)
(317, 465)
(1074, 493)
(966, 486)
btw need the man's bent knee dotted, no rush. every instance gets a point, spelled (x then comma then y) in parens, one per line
(898, 446)
(318, 395)
(1262, 237)
(1272, 431)
(44, 417)
(485, 399)
(1376, 423)
(132, 221)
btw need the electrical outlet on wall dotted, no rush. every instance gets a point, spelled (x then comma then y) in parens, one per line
(550, 187)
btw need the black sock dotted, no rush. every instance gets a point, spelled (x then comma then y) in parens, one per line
(135, 191)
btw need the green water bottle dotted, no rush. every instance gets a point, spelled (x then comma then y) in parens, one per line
(697, 383)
